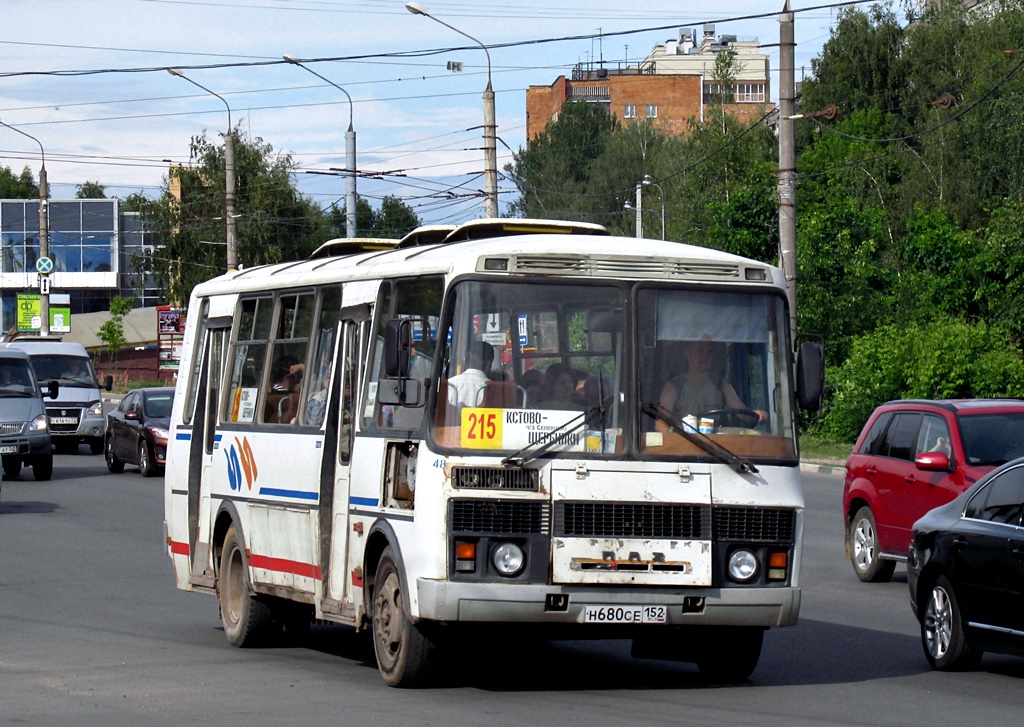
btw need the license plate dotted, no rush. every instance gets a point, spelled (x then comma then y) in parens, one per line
(63, 420)
(625, 614)
(9, 449)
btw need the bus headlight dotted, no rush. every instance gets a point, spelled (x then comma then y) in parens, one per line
(742, 565)
(508, 559)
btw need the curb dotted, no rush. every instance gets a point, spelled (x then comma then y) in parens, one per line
(822, 469)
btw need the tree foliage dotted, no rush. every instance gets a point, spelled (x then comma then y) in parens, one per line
(112, 331)
(90, 190)
(18, 186)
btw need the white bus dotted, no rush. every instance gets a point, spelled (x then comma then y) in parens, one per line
(326, 462)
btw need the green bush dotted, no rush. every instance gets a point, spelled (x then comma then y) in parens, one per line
(943, 359)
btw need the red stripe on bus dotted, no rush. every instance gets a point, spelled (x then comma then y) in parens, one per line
(307, 570)
(179, 548)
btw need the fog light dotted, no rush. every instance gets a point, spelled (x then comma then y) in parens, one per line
(742, 565)
(508, 559)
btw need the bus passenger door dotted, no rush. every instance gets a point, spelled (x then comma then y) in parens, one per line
(335, 534)
(201, 451)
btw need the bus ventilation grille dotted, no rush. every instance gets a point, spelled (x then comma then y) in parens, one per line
(626, 267)
(755, 524)
(499, 516)
(631, 520)
(493, 478)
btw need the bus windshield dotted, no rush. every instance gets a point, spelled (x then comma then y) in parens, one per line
(529, 362)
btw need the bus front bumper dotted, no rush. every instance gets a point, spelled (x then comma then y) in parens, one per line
(546, 604)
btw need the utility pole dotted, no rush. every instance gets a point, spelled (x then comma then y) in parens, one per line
(787, 161)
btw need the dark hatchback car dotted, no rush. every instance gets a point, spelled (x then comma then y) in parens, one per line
(915, 455)
(966, 572)
(136, 431)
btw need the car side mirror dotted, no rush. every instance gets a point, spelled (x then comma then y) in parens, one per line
(108, 382)
(933, 462)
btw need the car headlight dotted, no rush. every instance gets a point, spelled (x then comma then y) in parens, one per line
(157, 432)
(742, 565)
(96, 409)
(508, 559)
(38, 424)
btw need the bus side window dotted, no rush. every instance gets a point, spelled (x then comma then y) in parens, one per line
(288, 352)
(248, 359)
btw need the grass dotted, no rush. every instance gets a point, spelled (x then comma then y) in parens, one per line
(815, 449)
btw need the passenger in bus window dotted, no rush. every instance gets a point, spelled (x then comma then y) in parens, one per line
(559, 388)
(286, 376)
(467, 388)
(701, 387)
(532, 382)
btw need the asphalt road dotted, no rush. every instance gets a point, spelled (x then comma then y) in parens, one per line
(93, 632)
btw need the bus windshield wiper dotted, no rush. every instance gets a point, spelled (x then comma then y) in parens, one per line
(704, 442)
(556, 436)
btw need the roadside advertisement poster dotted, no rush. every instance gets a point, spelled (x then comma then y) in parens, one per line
(30, 313)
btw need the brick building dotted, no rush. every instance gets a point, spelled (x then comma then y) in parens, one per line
(671, 87)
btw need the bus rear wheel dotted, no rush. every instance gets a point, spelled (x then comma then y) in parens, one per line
(403, 651)
(246, 619)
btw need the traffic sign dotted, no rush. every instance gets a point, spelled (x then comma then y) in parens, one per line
(44, 265)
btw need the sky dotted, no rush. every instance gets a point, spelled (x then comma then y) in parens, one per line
(88, 80)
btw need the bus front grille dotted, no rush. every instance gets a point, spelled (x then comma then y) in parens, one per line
(499, 516)
(755, 524)
(495, 478)
(631, 520)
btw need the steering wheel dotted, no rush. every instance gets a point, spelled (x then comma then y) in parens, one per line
(745, 418)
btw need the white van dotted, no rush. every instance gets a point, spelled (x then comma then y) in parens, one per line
(77, 414)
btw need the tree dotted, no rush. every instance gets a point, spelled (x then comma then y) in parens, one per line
(21, 186)
(274, 222)
(112, 332)
(393, 220)
(90, 190)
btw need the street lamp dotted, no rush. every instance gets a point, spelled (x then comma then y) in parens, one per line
(229, 176)
(490, 127)
(350, 152)
(647, 181)
(44, 234)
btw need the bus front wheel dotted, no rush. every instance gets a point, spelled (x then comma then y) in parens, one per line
(244, 616)
(403, 651)
(732, 655)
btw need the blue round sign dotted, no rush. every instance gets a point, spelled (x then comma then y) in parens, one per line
(44, 265)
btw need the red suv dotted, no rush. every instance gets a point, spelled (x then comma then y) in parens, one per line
(915, 455)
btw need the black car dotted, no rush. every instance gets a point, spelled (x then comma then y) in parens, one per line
(136, 431)
(966, 572)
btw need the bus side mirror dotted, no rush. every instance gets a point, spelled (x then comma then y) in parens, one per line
(401, 392)
(810, 375)
(397, 348)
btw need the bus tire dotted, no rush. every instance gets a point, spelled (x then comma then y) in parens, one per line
(403, 651)
(245, 617)
(731, 655)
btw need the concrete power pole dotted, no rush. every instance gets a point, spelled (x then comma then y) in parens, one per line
(787, 161)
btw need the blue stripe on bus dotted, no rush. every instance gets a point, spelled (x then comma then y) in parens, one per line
(183, 436)
(368, 501)
(297, 494)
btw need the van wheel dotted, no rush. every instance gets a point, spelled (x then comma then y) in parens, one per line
(246, 619)
(42, 468)
(403, 651)
(115, 465)
(12, 467)
(864, 555)
(96, 445)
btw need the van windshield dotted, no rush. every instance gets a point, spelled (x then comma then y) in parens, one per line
(73, 371)
(16, 379)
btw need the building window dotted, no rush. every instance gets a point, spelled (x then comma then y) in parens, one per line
(629, 111)
(738, 93)
(652, 111)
